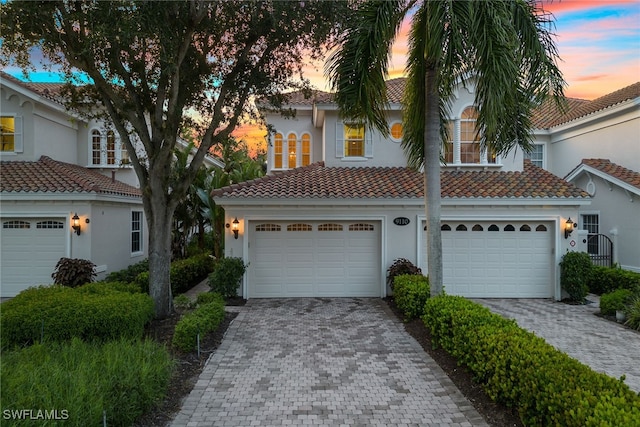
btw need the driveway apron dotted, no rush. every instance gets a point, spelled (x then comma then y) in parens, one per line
(314, 361)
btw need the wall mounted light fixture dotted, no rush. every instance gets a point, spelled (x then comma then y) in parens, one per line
(235, 225)
(75, 223)
(568, 227)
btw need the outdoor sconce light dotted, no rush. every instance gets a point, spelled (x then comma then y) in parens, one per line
(76, 223)
(234, 227)
(568, 227)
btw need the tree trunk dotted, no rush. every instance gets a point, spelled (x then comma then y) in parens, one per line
(159, 223)
(432, 181)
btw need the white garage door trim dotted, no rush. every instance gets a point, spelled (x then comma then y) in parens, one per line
(311, 249)
(49, 233)
(539, 258)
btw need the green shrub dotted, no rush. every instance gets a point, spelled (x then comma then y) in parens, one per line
(207, 297)
(410, 293)
(206, 318)
(123, 378)
(107, 287)
(142, 280)
(606, 279)
(399, 267)
(226, 276)
(521, 370)
(632, 312)
(74, 272)
(575, 274)
(58, 313)
(614, 301)
(183, 302)
(186, 273)
(128, 274)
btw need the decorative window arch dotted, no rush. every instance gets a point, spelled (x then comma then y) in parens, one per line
(295, 149)
(461, 227)
(509, 227)
(106, 149)
(445, 227)
(291, 150)
(463, 143)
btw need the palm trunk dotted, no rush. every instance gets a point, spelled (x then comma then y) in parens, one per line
(432, 181)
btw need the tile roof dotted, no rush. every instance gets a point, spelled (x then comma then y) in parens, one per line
(51, 176)
(52, 91)
(319, 182)
(547, 115)
(628, 176)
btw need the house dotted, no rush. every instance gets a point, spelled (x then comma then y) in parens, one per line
(338, 206)
(596, 146)
(59, 171)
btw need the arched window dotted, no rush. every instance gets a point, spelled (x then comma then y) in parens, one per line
(469, 138)
(277, 151)
(509, 227)
(96, 147)
(306, 149)
(396, 131)
(493, 227)
(291, 150)
(445, 227)
(461, 227)
(477, 227)
(525, 227)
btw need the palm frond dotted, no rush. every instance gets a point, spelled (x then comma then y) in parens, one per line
(357, 70)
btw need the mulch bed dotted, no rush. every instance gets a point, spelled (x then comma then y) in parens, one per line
(189, 366)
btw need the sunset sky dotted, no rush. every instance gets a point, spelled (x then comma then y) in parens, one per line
(598, 43)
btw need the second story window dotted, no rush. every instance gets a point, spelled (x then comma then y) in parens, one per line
(536, 155)
(463, 146)
(107, 150)
(353, 140)
(291, 152)
(10, 134)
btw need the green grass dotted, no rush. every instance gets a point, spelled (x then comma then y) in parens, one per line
(123, 378)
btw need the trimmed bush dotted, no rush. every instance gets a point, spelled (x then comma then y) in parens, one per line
(108, 287)
(613, 301)
(521, 370)
(124, 378)
(410, 293)
(74, 272)
(58, 313)
(128, 274)
(606, 279)
(207, 297)
(206, 318)
(186, 273)
(575, 273)
(226, 276)
(399, 267)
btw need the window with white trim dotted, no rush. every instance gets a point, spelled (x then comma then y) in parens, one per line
(292, 151)
(107, 150)
(396, 131)
(10, 134)
(463, 145)
(591, 223)
(136, 232)
(353, 141)
(536, 155)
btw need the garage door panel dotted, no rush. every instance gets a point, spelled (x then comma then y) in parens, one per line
(324, 258)
(497, 263)
(29, 255)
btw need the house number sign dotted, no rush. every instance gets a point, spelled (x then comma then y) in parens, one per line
(401, 221)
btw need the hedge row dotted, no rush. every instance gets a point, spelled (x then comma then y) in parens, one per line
(606, 279)
(521, 370)
(80, 380)
(58, 313)
(410, 293)
(128, 274)
(205, 318)
(614, 301)
(184, 273)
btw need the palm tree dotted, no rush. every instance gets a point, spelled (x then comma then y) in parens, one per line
(505, 46)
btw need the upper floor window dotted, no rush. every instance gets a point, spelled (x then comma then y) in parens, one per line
(10, 134)
(291, 152)
(353, 141)
(463, 146)
(107, 150)
(536, 155)
(396, 130)
(136, 232)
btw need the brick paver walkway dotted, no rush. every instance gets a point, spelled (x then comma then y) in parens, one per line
(318, 361)
(575, 329)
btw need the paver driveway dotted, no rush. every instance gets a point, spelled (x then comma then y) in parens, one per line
(318, 361)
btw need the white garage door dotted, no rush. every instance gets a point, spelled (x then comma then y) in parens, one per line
(497, 259)
(30, 249)
(314, 259)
